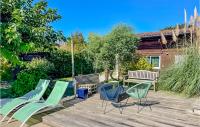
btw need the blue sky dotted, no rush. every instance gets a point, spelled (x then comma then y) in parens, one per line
(99, 16)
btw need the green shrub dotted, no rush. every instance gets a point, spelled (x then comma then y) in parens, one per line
(143, 64)
(28, 78)
(42, 64)
(62, 63)
(63, 67)
(139, 63)
(127, 66)
(83, 65)
(5, 70)
(183, 77)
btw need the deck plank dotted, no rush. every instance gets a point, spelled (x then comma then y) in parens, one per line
(168, 111)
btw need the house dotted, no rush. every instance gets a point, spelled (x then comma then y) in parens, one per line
(158, 54)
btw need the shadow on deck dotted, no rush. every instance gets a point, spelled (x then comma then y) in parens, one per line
(167, 111)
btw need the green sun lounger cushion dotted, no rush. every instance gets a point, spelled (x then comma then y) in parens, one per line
(24, 113)
(33, 95)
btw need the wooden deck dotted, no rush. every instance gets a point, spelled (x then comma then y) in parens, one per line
(167, 111)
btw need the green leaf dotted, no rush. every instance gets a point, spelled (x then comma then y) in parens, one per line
(10, 56)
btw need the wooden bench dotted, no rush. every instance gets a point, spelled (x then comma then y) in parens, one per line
(140, 76)
(90, 81)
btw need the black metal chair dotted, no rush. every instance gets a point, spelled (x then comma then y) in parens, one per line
(110, 94)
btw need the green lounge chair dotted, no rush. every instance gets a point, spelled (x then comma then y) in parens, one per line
(34, 95)
(140, 92)
(24, 113)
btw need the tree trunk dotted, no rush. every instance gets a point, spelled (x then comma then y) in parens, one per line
(107, 72)
(96, 64)
(117, 66)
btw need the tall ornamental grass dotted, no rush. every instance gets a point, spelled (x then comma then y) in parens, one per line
(183, 77)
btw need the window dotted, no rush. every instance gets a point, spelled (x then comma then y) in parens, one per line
(154, 61)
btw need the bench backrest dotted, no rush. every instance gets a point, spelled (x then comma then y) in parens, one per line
(87, 79)
(143, 74)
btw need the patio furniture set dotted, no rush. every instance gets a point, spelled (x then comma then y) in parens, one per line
(116, 94)
(29, 104)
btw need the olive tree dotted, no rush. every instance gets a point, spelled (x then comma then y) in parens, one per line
(121, 42)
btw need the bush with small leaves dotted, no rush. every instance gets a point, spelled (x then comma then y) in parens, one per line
(143, 64)
(28, 78)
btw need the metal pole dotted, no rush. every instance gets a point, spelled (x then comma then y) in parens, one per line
(72, 53)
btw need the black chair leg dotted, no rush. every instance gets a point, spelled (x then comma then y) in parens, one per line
(148, 104)
(119, 107)
(126, 101)
(102, 103)
(139, 103)
(124, 104)
(105, 108)
(145, 104)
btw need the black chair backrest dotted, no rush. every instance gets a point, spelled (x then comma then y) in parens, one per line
(102, 90)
